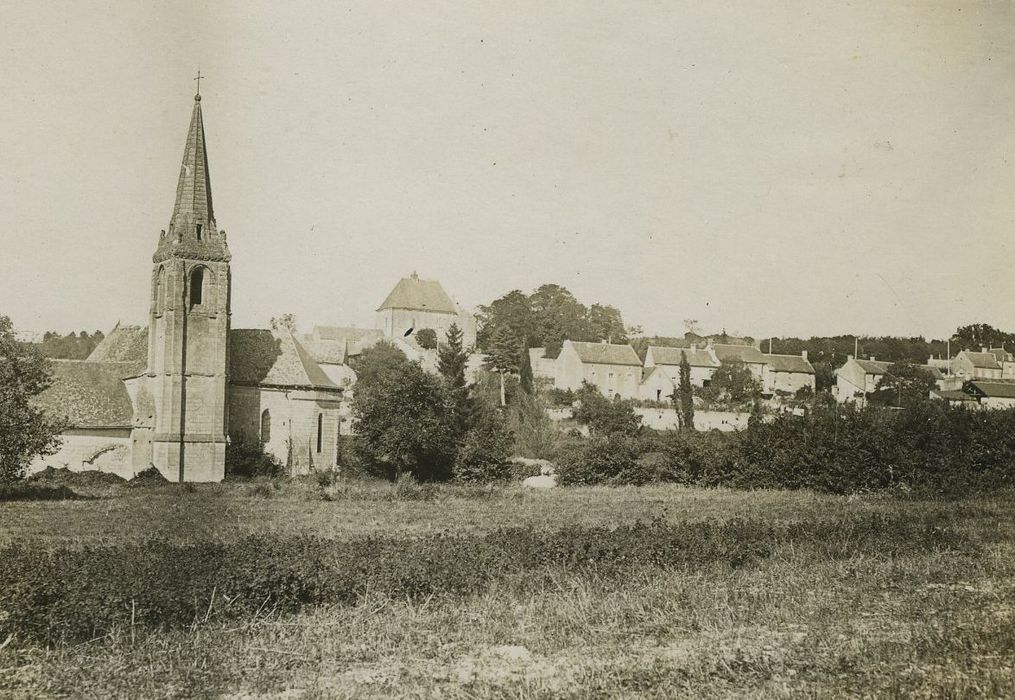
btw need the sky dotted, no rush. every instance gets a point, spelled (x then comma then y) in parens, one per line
(773, 169)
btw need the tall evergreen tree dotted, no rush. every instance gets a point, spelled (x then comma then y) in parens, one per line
(685, 393)
(502, 355)
(452, 358)
(525, 370)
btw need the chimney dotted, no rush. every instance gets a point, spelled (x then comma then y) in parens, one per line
(694, 346)
(849, 357)
(873, 359)
(983, 349)
(803, 354)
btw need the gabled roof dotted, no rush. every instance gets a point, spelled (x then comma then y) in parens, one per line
(89, 394)
(123, 344)
(273, 358)
(647, 372)
(1001, 355)
(877, 367)
(738, 353)
(605, 353)
(992, 389)
(789, 363)
(415, 294)
(982, 360)
(663, 355)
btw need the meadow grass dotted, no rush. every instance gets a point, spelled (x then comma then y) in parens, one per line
(924, 622)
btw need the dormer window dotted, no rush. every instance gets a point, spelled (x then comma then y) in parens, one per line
(200, 232)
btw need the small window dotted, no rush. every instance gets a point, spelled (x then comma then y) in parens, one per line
(320, 431)
(196, 287)
(200, 232)
(265, 426)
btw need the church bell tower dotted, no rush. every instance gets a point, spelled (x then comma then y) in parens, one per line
(189, 327)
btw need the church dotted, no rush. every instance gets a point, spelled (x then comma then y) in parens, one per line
(173, 394)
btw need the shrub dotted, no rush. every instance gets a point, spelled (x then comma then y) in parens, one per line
(603, 416)
(248, 459)
(483, 453)
(148, 477)
(597, 460)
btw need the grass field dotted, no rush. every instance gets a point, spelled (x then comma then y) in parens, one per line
(929, 621)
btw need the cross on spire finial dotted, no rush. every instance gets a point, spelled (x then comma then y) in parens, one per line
(198, 79)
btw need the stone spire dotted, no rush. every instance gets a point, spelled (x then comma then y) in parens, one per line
(192, 229)
(193, 191)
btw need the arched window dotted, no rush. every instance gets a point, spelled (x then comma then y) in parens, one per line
(320, 431)
(265, 426)
(196, 287)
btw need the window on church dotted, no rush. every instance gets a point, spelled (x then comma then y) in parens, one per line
(265, 426)
(320, 431)
(200, 231)
(196, 287)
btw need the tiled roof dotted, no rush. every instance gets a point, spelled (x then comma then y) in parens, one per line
(123, 344)
(993, 389)
(89, 394)
(334, 344)
(419, 295)
(789, 363)
(878, 367)
(738, 353)
(982, 360)
(267, 358)
(662, 355)
(1001, 355)
(953, 395)
(605, 353)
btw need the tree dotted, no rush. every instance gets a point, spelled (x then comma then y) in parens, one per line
(902, 385)
(603, 416)
(375, 361)
(512, 311)
(404, 422)
(25, 431)
(285, 323)
(452, 358)
(732, 384)
(685, 394)
(426, 338)
(606, 323)
(525, 370)
(502, 356)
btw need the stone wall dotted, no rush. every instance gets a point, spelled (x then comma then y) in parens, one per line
(105, 450)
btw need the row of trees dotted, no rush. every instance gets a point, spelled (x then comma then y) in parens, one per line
(73, 346)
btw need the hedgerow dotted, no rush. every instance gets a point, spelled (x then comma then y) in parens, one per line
(928, 449)
(67, 595)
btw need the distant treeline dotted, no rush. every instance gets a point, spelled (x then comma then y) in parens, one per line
(73, 346)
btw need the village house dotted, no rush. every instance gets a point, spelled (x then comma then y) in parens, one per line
(787, 374)
(614, 369)
(997, 394)
(857, 379)
(543, 367)
(702, 361)
(977, 365)
(750, 356)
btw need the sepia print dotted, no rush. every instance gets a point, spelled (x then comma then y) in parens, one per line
(555, 350)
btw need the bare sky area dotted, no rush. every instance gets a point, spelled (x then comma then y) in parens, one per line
(781, 168)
